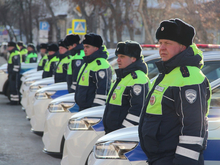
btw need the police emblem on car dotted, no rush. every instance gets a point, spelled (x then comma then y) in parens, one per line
(191, 95)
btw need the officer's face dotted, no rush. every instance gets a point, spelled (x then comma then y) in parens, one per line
(72, 46)
(124, 61)
(43, 51)
(62, 50)
(10, 48)
(89, 49)
(51, 52)
(30, 49)
(168, 49)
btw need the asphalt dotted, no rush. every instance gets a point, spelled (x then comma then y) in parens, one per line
(18, 145)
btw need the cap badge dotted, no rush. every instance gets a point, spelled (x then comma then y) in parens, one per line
(162, 29)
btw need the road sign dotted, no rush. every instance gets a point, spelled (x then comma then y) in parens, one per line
(79, 26)
(44, 26)
(69, 31)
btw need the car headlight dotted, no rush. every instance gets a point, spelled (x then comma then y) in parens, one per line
(34, 88)
(3, 71)
(60, 107)
(28, 83)
(113, 149)
(83, 124)
(44, 95)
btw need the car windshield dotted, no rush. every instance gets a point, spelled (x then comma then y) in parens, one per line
(212, 70)
(215, 100)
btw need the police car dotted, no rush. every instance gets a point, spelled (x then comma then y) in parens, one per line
(81, 137)
(28, 104)
(40, 103)
(122, 147)
(55, 124)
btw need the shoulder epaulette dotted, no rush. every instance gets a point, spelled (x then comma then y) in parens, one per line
(98, 62)
(134, 75)
(184, 70)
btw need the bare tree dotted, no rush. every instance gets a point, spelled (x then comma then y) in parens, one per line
(48, 4)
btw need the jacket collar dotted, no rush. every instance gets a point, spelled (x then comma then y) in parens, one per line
(100, 53)
(137, 65)
(184, 58)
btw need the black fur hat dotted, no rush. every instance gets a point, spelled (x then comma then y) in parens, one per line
(71, 39)
(20, 43)
(176, 30)
(93, 39)
(61, 43)
(52, 47)
(11, 43)
(43, 46)
(129, 48)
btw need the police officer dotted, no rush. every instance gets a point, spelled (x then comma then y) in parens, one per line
(127, 94)
(64, 60)
(173, 125)
(76, 52)
(14, 66)
(94, 78)
(44, 58)
(32, 55)
(52, 61)
(23, 50)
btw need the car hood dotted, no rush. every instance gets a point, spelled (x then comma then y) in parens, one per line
(67, 98)
(49, 80)
(90, 112)
(37, 77)
(124, 134)
(34, 74)
(30, 71)
(54, 87)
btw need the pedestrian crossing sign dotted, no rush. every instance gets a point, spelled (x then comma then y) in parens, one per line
(79, 26)
(69, 31)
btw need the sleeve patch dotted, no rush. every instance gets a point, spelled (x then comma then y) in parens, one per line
(191, 95)
(78, 63)
(137, 89)
(101, 74)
